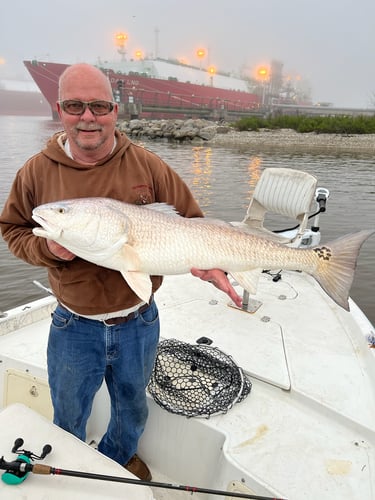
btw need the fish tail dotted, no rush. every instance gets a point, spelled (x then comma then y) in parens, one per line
(337, 261)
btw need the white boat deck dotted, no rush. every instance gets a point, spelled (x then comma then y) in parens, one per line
(306, 430)
(311, 410)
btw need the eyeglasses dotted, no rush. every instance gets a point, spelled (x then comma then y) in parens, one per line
(98, 108)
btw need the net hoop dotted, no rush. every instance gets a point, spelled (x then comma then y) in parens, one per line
(196, 380)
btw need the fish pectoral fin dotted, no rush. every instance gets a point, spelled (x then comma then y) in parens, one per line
(130, 258)
(140, 283)
(248, 279)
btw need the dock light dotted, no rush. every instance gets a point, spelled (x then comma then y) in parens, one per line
(138, 54)
(263, 73)
(201, 53)
(211, 71)
(121, 39)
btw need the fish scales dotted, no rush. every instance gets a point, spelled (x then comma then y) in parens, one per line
(139, 241)
(174, 246)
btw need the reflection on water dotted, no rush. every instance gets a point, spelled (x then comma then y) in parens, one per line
(222, 181)
(254, 172)
(202, 171)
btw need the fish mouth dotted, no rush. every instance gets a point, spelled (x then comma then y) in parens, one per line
(40, 220)
(46, 229)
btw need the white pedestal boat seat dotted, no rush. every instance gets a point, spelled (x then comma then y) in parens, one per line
(285, 192)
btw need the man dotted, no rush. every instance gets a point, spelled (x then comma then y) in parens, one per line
(100, 328)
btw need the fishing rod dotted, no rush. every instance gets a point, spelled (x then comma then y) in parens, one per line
(20, 467)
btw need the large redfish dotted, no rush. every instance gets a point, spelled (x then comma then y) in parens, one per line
(140, 241)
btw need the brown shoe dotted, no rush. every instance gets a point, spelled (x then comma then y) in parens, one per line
(137, 467)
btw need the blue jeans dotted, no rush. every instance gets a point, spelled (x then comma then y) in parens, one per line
(81, 353)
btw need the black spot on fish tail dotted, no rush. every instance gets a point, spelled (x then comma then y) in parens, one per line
(336, 264)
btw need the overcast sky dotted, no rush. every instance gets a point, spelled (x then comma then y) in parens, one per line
(328, 43)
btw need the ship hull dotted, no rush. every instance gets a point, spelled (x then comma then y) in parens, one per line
(146, 97)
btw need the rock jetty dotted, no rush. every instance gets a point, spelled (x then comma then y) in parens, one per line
(199, 132)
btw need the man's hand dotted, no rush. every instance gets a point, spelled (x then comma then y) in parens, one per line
(219, 279)
(59, 251)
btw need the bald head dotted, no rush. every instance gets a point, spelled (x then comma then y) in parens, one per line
(85, 82)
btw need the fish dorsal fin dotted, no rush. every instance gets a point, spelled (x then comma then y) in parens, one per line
(163, 208)
(166, 209)
(248, 279)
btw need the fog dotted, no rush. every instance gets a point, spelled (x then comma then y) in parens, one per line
(327, 43)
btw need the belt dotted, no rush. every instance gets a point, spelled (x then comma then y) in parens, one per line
(129, 317)
(119, 319)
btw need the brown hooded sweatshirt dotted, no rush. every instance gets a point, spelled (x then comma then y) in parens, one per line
(130, 174)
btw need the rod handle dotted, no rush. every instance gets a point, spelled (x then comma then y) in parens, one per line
(41, 469)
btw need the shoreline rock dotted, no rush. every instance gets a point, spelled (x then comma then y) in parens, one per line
(174, 130)
(201, 132)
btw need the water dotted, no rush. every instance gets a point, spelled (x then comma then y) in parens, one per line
(222, 181)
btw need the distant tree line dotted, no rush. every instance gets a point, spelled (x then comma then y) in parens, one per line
(305, 124)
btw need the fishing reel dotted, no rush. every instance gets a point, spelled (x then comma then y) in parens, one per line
(16, 471)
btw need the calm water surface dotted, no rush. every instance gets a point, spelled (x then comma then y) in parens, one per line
(222, 181)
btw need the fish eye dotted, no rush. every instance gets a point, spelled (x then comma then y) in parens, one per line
(61, 210)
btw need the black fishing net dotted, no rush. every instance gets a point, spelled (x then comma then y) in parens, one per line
(196, 380)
